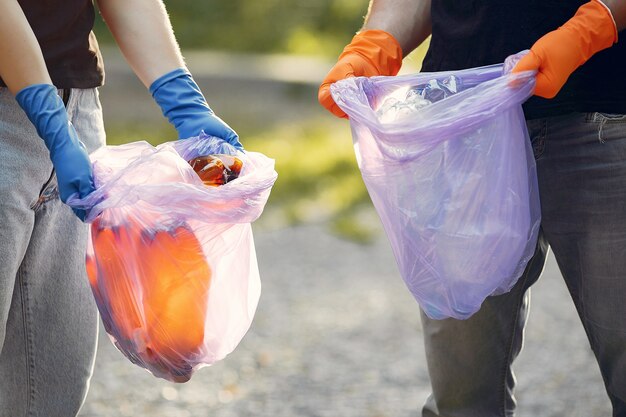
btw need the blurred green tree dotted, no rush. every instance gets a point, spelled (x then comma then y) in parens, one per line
(319, 27)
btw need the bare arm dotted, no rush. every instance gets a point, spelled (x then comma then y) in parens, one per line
(618, 9)
(144, 34)
(21, 60)
(407, 20)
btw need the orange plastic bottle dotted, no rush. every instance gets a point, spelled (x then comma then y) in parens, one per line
(155, 286)
(176, 288)
(111, 276)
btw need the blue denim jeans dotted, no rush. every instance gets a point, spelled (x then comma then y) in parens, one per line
(581, 164)
(48, 318)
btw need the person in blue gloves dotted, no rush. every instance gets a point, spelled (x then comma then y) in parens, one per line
(50, 119)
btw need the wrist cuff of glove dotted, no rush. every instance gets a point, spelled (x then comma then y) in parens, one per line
(37, 96)
(45, 109)
(380, 48)
(166, 78)
(610, 14)
(593, 27)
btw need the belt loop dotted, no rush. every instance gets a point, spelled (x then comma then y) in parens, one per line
(602, 123)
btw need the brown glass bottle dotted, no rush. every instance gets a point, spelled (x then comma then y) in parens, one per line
(215, 170)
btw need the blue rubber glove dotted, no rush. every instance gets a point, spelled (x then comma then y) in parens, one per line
(185, 107)
(46, 111)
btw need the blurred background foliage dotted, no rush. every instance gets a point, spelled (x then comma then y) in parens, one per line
(318, 177)
(318, 27)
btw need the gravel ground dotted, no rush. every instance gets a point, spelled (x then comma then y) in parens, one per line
(337, 334)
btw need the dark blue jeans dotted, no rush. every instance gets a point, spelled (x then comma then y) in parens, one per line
(581, 165)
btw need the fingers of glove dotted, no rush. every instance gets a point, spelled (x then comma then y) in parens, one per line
(81, 214)
(349, 65)
(73, 167)
(237, 144)
(233, 139)
(80, 186)
(74, 179)
(547, 86)
(354, 62)
(326, 100)
(214, 126)
(554, 68)
(230, 135)
(551, 76)
(371, 52)
(529, 62)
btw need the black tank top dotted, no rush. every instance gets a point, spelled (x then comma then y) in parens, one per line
(64, 31)
(473, 33)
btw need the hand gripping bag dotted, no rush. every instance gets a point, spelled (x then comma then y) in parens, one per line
(447, 162)
(170, 260)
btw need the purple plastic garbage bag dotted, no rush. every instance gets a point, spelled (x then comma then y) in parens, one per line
(453, 179)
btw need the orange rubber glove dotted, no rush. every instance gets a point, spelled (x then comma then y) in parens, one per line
(557, 54)
(371, 52)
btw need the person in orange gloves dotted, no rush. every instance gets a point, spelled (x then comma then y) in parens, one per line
(50, 118)
(577, 125)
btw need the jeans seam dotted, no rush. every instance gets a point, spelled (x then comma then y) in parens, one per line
(30, 386)
(507, 362)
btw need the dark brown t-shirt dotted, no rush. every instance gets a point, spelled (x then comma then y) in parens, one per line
(64, 31)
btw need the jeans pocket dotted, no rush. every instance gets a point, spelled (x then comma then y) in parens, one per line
(49, 191)
(611, 117)
(86, 115)
(611, 126)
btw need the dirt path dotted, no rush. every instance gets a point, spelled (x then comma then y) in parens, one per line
(338, 335)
